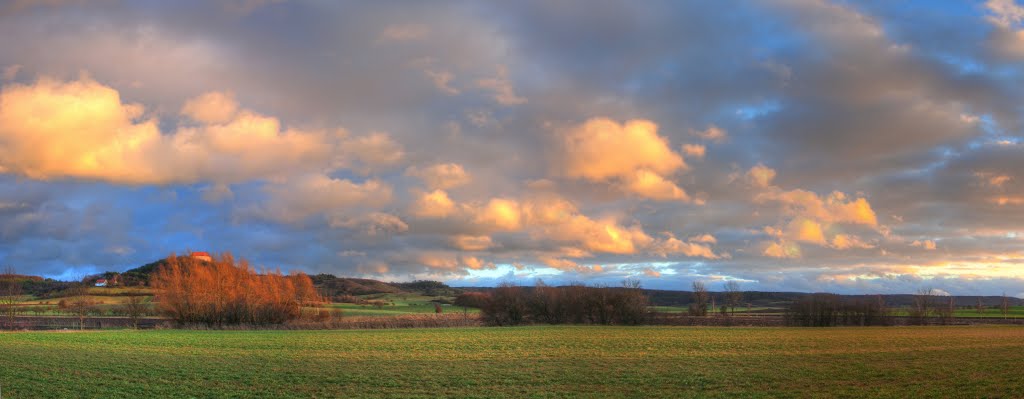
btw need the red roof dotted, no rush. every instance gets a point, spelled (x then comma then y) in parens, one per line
(200, 254)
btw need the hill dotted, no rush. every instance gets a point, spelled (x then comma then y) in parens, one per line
(328, 284)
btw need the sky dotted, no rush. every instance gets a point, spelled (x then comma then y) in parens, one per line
(789, 145)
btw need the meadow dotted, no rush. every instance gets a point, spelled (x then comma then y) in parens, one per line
(537, 361)
(398, 304)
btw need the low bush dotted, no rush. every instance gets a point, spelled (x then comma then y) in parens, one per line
(578, 304)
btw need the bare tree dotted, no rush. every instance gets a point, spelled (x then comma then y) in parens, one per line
(921, 307)
(135, 307)
(699, 305)
(1004, 305)
(980, 306)
(944, 313)
(80, 304)
(733, 294)
(10, 295)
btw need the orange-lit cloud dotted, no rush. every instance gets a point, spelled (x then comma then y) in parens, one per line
(1007, 200)
(761, 176)
(471, 243)
(836, 208)
(782, 250)
(926, 244)
(704, 239)
(651, 185)
(675, 246)
(441, 176)
(301, 198)
(500, 213)
(631, 155)
(371, 152)
(694, 150)
(712, 133)
(432, 205)
(77, 129)
(501, 87)
(211, 108)
(82, 129)
(806, 230)
(847, 241)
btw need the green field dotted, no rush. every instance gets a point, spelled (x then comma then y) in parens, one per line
(576, 361)
(1013, 312)
(398, 304)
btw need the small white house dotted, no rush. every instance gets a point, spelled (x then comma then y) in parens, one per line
(101, 282)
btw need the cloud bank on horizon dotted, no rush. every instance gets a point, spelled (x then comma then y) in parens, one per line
(806, 145)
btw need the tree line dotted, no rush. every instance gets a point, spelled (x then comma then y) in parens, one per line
(509, 305)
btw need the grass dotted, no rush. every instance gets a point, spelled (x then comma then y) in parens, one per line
(572, 361)
(398, 304)
(1013, 312)
(739, 309)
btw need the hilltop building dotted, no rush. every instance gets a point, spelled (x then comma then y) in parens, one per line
(203, 256)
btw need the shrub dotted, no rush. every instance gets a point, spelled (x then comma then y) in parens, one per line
(472, 300)
(827, 310)
(512, 305)
(223, 292)
(815, 310)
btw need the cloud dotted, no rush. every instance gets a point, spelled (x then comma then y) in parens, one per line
(432, 205)
(10, 72)
(442, 176)
(805, 230)
(704, 239)
(471, 243)
(651, 185)
(501, 88)
(373, 224)
(298, 199)
(926, 244)
(712, 133)
(992, 179)
(847, 241)
(406, 32)
(375, 151)
(465, 138)
(217, 193)
(443, 81)
(501, 214)
(601, 236)
(1007, 17)
(675, 246)
(694, 150)
(211, 108)
(761, 176)
(836, 208)
(474, 263)
(82, 129)
(781, 250)
(632, 155)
